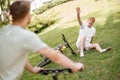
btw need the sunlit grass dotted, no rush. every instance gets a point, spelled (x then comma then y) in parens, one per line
(97, 66)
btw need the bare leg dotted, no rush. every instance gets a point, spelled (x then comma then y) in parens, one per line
(82, 43)
(98, 48)
(82, 46)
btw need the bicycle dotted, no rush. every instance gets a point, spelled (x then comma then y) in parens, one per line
(60, 47)
(47, 61)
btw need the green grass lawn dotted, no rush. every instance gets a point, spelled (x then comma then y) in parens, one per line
(98, 66)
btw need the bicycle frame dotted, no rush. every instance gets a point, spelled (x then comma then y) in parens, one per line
(60, 47)
(47, 61)
(68, 45)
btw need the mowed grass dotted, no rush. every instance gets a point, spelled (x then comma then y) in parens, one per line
(98, 66)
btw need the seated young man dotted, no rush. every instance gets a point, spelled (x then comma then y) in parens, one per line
(86, 34)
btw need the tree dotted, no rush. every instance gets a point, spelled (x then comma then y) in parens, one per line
(4, 6)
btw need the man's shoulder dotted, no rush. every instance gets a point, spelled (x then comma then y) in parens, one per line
(93, 28)
(84, 25)
(29, 34)
(5, 26)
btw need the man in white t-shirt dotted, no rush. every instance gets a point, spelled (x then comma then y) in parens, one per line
(86, 34)
(16, 42)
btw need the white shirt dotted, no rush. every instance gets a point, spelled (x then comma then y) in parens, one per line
(15, 43)
(87, 32)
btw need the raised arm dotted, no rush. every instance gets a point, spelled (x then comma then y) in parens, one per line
(78, 15)
(60, 59)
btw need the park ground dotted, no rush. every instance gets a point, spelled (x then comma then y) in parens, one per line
(98, 66)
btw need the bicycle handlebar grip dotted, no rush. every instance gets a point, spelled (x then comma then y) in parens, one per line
(44, 72)
(81, 69)
(69, 70)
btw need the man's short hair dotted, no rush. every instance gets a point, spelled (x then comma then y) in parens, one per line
(19, 9)
(92, 18)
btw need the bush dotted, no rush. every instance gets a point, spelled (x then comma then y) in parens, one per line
(2, 24)
(38, 23)
(49, 5)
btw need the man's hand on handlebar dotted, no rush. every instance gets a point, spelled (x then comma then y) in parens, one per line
(79, 67)
(37, 69)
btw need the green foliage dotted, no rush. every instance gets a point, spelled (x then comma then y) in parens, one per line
(38, 23)
(49, 5)
(2, 25)
(4, 6)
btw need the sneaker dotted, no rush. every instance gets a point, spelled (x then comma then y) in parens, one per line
(104, 50)
(81, 54)
(108, 49)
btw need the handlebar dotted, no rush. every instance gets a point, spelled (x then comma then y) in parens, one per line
(55, 71)
(45, 62)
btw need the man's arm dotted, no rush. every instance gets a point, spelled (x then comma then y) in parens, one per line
(78, 16)
(60, 59)
(93, 36)
(91, 39)
(32, 69)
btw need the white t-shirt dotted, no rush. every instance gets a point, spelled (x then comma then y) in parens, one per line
(87, 32)
(15, 43)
